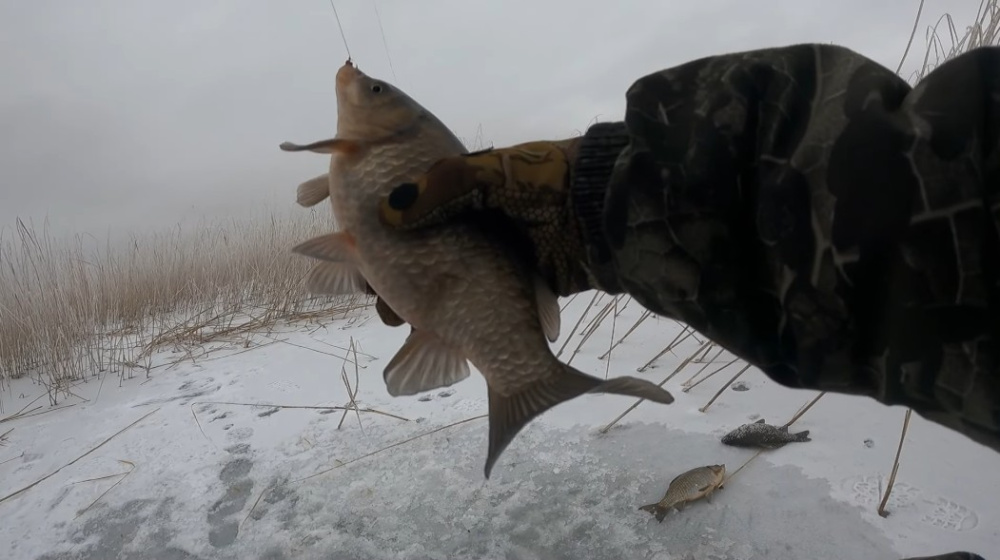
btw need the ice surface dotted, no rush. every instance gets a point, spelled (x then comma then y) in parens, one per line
(278, 483)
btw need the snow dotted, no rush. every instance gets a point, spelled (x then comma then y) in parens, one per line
(282, 483)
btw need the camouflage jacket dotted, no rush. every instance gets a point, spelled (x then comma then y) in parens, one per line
(807, 209)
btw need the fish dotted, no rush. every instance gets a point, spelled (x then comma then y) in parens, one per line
(689, 486)
(760, 434)
(469, 297)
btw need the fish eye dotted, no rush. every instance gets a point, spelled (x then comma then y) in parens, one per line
(376, 88)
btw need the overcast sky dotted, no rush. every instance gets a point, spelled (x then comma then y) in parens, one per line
(138, 114)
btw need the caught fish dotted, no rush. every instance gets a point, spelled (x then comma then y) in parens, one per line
(692, 485)
(467, 296)
(759, 434)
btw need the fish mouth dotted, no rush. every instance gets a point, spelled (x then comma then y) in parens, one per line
(347, 74)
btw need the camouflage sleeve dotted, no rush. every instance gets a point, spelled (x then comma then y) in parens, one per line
(808, 210)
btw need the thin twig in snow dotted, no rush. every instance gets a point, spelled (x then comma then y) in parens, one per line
(577, 326)
(687, 388)
(667, 348)
(723, 388)
(895, 466)
(677, 370)
(642, 318)
(95, 448)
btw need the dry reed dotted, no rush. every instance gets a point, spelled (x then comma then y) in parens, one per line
(70, 310)
(895, 466)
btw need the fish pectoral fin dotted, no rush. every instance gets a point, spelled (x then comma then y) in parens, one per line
(334, 247)
(548, 309)
(424, 362)
(335, 279)
(386, 313)
(312, 192)
(328, 146)
(509, 414)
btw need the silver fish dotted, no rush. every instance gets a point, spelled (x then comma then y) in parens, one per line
(467, 297)
(760, 434)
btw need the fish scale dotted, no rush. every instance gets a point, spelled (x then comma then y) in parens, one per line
(466, 296)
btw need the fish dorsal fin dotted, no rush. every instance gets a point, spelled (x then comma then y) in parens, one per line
(328, 146)
(510, 414)
(333, 247)
(548, 309)
(761, 421)
(424, 362)
(335, 279)
(312, 192)
(386, 313)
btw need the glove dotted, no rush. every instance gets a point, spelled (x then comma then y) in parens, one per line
(526, 184)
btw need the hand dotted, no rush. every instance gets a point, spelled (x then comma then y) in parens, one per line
(527, 184)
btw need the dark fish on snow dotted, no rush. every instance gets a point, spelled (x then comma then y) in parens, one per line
(760, 434)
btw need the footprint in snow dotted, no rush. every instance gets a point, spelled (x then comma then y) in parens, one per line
(939, 512)
(223, 520)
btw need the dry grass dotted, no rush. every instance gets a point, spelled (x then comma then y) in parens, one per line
(69, 311)
(944, 42)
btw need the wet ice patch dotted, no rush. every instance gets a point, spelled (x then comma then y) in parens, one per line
(562, 495)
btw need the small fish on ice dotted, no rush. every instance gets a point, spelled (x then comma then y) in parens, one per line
(689, 486)
(760, 434)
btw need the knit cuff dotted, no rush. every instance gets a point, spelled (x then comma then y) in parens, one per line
(596, 155)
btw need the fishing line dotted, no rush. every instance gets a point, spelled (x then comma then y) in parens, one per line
(342, 36)
(384, 43)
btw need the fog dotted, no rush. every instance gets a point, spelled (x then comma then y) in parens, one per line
(135, 115)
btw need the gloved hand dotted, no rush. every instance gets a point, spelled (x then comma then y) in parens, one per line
(527, 184)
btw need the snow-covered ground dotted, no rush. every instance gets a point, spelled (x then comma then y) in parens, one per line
(283, 483)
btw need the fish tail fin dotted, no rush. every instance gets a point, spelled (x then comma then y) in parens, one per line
(509, 414)
(624, 385)
(656, 510)
(802, 436)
